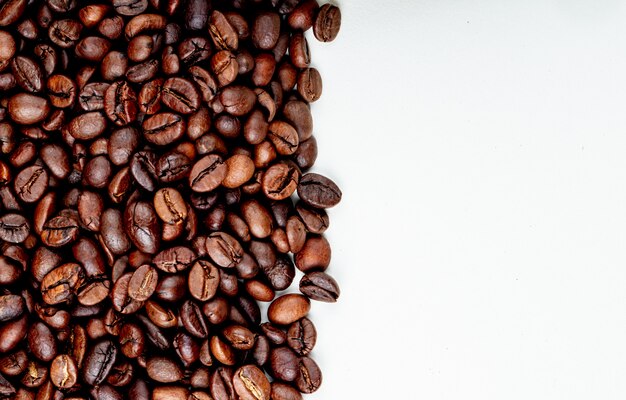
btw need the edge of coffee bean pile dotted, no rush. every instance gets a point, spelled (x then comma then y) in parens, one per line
(155, 191)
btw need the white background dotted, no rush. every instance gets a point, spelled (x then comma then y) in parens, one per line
(481, 149)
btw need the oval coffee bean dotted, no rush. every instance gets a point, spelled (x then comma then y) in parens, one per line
(327, 23)
(143, 283)
(207, 174)
(99, 362)
(250, 383)
(320, 286)
(14, 228)
(318, 191)
(288, 308)
(204, 280)
(63, 372)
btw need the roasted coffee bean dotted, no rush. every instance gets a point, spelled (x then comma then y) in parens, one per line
(120, 296)
(283, 391)
(266, 30)
(163, 370)
(130, 7)
(203, 280)
(207, 174)
(301, 336)
(280, 181)
(319, 286)
(14, 228)
(224, 249)
(309, 376)
(63, 372)
(27, 109)
(113, 232)
(60, 230)
(175, 259)
(192, 319)
(237, 100)
(120, 103)
(65, 32)
(99, 362)
(142, 226)
(59, 285)
(27, 74)
(250, 383)
(143, 283)
(314, 255)
(180, 95)
(143, 170)
(318, 191)
(164, 128)
(284, 364)
(173, 166)
(288, 309)
(327, 23)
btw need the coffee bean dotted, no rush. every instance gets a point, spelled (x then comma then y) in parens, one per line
(315, 254)
(63, 372)
(284, 364)
(250, 383)
(130, 7)
(309, 376)
(164, 128)
(175, 259)
(142, 226)
(120, 103)
(143, 283)
(318, 191)
(163, 370)
(28, 109)
(288, 309)
(327, 23)
(237, 100)
(180, 95)
(319, 286)
(99, 362)
(203, 280)
(282, 391)
(59, 285)
(280, 181)
(14, 228)
(224, 249)
(60, 230)
(207, 174)
(266, 30)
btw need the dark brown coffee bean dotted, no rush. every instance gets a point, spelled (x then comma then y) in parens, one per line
(41, 342)
(266, 30)
(222, 33)
(11, 307)
(91, 15)
(327, 23)
(192, 319)
(97, 172)
(120, 297)
(164, 128)
(91, 97)
(301, 336)
(132, 340)
(250, 383)
(174, 260)
(130, 7)
(282, 391)
(14, 228)
(284, 364)
(240, 337)
(140, 48)
(203, 280)
(113, 232)
(65, 32)
(173, 166)
(27, 74)
(310, 84)
(144, 22)
(197, 14)
(58, 285)
(150, 96)
(320, 286)
(143, 170)
(280, 181)
(224, 249)
(122, 144)
(120, 103)
(238, 100)
(314, 255)
(180, 95)
(318, 191)
(99, 362)
(163, 370)
(92, 48)
(87, 126)
(309, 377)
(142, 226)
(143, 72)
(60, 230)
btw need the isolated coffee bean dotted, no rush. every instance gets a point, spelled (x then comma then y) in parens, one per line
(327, 23)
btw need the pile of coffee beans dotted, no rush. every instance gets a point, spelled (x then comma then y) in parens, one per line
(154, 193)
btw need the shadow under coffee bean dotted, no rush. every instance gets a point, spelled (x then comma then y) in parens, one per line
(154, 190)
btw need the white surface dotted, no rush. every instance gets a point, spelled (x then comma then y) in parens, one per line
(481, 149)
